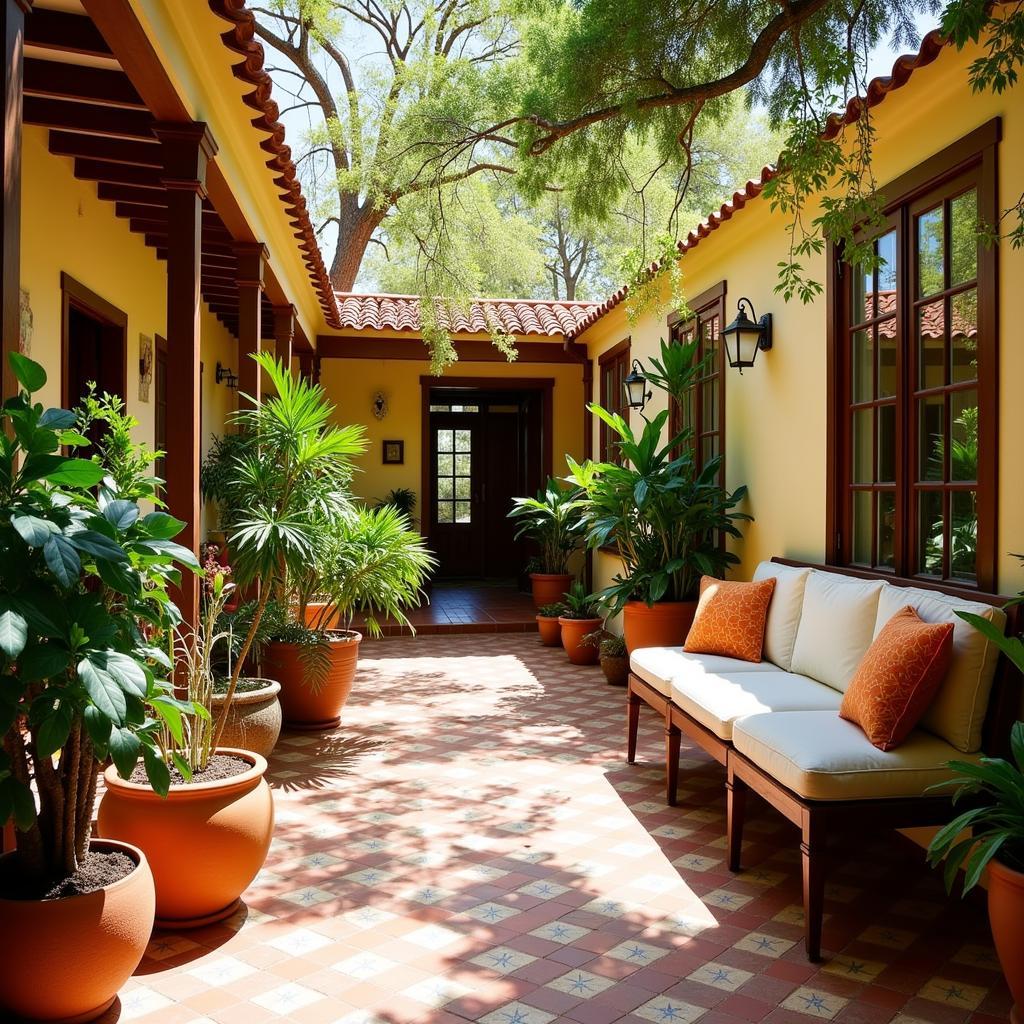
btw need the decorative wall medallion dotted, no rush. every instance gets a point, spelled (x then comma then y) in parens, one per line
(25, 334)
(145, 366)
(380, 405)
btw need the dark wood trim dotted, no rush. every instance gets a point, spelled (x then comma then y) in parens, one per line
(112, 122)
(619, 353)
(74, 294)
(120, 151)
(470, 350)
(65, 33)
(833, 435)
(614, 352)
(284, 333)
(252, 259)
(706, 298)
(58, 80)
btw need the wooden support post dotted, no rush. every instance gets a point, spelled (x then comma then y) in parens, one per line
(632, 722)
(673, 736)
(812, 856)
(306, 365)
(284, 333)
(736, 805)
(12, 28)
(187, 148)
(252, 261)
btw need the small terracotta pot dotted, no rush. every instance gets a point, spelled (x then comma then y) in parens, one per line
(254, 718)
(309, 703)
(615, 669)
(65, 960)
(205, 842)
(550, 630)
(549, 588)
(1006, 915)
(664, 624)
(573, 632)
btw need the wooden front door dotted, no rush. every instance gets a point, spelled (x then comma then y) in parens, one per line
(456, 524)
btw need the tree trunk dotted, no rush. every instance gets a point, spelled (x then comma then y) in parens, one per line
(356, 226)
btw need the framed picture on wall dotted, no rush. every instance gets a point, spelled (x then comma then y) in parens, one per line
(394, 453)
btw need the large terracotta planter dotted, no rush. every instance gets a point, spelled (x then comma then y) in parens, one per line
(314, 610)
(65, 960)
(550, 630)
(665, 624)
(205, 842)
(549, 588)
(309, 700)
(573, 632)
(1006, 915)
(254, 718)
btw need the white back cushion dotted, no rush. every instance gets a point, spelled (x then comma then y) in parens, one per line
(957, 712)
(783, 612)
(837, 625)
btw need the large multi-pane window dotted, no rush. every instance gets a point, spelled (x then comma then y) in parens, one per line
(613, 366)
(915, 389)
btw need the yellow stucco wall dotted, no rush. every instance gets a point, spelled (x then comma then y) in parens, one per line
(776, 412)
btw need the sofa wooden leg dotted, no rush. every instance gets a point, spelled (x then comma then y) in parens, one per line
(672, 740)
(736, 806)
(812, 852)
(632, 724)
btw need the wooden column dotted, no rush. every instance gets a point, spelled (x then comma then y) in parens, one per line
(12, 16)
(252, 261)
(187, 149)
(284, 333)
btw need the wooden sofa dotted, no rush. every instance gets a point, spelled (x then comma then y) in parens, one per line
(775, 725)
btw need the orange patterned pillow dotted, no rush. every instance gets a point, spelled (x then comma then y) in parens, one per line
(730, 618)
(897, 677)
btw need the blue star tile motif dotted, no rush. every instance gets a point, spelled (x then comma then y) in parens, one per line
(501, 959)
(669, 1012)
(580, 984)
(636, 953)
(516, 1017)
(721, 974)
(816, 1002)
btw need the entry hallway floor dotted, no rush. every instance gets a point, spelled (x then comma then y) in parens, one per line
(471, 845)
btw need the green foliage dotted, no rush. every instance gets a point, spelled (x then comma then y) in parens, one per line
(84, 576)
(403, 499)
(553, 521)
(579, 604)
(551, 611)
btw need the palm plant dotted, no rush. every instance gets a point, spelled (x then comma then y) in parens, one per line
(579, 604)
(554, 521)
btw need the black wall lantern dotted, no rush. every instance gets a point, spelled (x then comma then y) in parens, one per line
(225, 376)
(745, 336)
(635, 386)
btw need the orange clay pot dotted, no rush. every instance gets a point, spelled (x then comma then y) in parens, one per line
(573, 632)
(665, 624)
(64, 960)
(307, 704)
(548, 588)
(205, 842)
(1006, 915)
(550, 630)
(314, 610)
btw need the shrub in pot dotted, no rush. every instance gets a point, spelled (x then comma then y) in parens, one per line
(84, 575)
(663, 516)
(580, 617)
(548, 626)
(613, 656)
(552, 520)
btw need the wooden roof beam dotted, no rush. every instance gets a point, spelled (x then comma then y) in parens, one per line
(66, 33)
(95, 147)
(112, 122)
(51, 79)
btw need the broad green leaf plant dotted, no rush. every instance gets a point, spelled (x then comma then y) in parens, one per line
(84, 578)
(663, 516)
(554, 522)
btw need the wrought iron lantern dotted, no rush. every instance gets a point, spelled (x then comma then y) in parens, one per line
(746, 336)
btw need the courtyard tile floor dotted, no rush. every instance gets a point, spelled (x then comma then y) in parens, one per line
(471, 845)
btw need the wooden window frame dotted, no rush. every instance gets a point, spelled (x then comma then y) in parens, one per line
(618, 357)
(704, 308)
(75, 295)
(975, 154)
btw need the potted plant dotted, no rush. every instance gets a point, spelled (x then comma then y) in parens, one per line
(664, 518)
(548, 626)
(580, 616)
(613, 655)
(995, 788)
(85, 574)
(218, 806)
(552, 519)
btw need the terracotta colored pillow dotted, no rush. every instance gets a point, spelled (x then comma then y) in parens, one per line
(730, 618)
(898, 677)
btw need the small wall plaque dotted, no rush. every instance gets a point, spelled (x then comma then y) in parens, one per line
(394, 453)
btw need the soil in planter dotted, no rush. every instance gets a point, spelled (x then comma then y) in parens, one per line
(220, 686)
(98, 870)
(220, 766)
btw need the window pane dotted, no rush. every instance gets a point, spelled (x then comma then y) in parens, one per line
(963, 227)
(930, 440)
(862, 301)
(964, 342)
(462, 486)
(462, 512)
(963, 535)
(930, 253)
(709, 410)
(886, 358)
(931, 345)
(444, 465)
(462, 440)
(887, 271)
(886, 529)
(708, 448)
(862, 528)
(887, 443)
(439, 408)
(863, 467)
(863, 358)
(963, 454)
(444, 512)
(930, 540)
(463, 465)
(444, 488)
(445, 440)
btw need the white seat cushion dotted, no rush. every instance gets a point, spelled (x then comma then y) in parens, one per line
(837, 625)
(783, 612)
(658, 666)
(957, 712)
(716, 701)
(820, 756)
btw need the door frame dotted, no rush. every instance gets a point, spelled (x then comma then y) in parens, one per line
(74, 294)
(546, 387)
